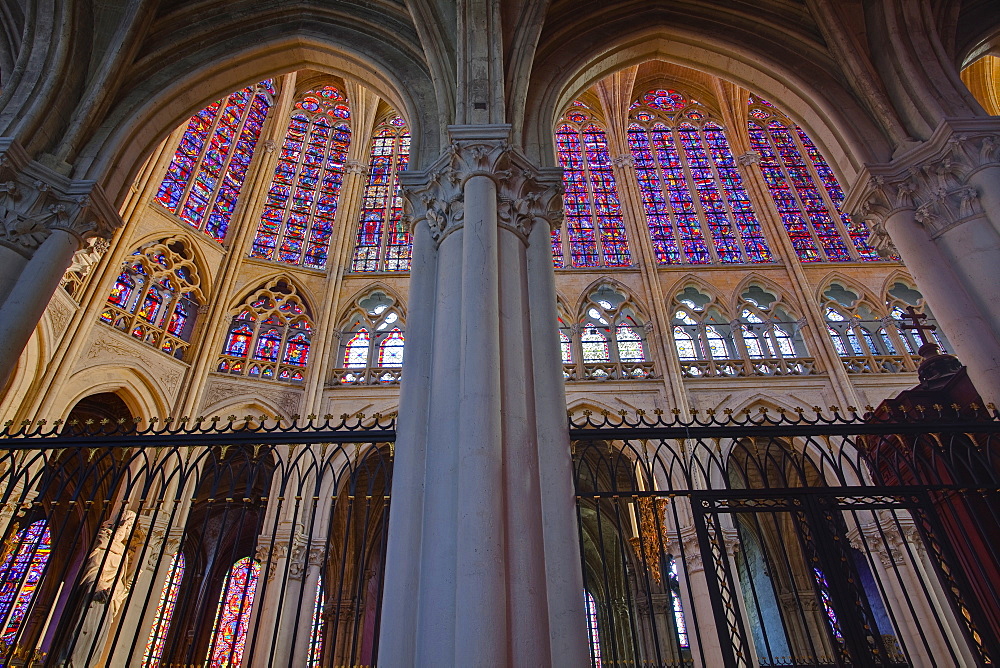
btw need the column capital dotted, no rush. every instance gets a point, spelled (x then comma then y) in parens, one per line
(748, 158)
(35, 200)
(526, 194)
(931, 179)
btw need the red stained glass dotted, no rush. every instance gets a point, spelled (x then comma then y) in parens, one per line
(594, 226)
(20, 574)
(206, 175)
(229, 634)
(297, 350)
(297, 222)
(798, 178)
(383, 243)
(164, 613)
(316, 631)
(390, 351)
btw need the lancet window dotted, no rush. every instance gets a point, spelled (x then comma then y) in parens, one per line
(594, 232)
(371, 342)
(592, 632)
(270, 335)
(156, 297)
(696, 206)
(164, 613)
(21, 569)
(609, 342)
(805, 191)
(383, 243)
(297, 222)
(316, 629)
(866, 340)
(206, 175)
(763, 340)
(899, 299)
(232, 618)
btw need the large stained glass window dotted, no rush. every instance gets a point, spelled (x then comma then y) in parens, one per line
(270, 335)
(156, 297)
(204, 179)
(383, 242)
(164, 613)
(696, 206)
(21, 571)
(297, 222)
(805, 191)
(594, 233)
(229, 633)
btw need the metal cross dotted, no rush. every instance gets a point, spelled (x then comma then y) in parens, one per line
(912, 315)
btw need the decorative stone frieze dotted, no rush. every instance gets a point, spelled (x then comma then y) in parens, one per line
(34, 201)
(525, 194)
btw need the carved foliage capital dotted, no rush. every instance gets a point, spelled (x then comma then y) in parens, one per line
(35, 201)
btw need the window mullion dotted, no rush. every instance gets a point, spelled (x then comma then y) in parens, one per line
(706, 232)
(591, 198)
(299, 166)
(825, 194)
(224, 168)
(196, 168)
(723, 194)
(665, 191)
(792, 188)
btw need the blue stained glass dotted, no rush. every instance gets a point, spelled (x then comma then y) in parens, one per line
(205, 177)
(21, 571)
(383, 243)
(591, 204)
(295, 226)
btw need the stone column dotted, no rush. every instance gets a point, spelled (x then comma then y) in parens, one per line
(45, 219)
(937, 206)
(483, 562)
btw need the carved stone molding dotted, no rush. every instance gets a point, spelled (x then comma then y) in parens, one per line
(624, 160)
(748, 158)
(525, 193)
(218, 391)
(932, 180)
(34, 201)
(355, 167)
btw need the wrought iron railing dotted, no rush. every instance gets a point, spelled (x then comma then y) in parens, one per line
(791, 538)
(193, 542)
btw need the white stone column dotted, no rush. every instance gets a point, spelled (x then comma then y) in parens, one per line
(483, 562)
(937, 206)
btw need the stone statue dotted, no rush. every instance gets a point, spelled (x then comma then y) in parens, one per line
(103, 585)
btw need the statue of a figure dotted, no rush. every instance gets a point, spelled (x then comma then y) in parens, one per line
(103, 585)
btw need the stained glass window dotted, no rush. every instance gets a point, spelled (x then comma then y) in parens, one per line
(164, 613)
(824, 597)
(383, 243)
(594, 229)
(270, 335)
(696, 205)
(156, 297)
(206, 175)
(372, 342)
(610, 336)
(566, 347)
(297, 222)
(805, 191)
(594, 345)
(675, 600)
(21, 572)
(316, 630)
(592, 632)
(229, 632)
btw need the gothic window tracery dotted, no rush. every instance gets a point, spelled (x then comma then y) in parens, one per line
(594, 232)
(206, 175)
(592, 632)
(296, 225)
(157, 296)
(804, 189)
(762, 340)
(232, 618)
(609, 342)
(21, 569)
(866, 339)
(372, 338)
(383, 243)
(164, 612)
(696, 206)
(270, 335)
